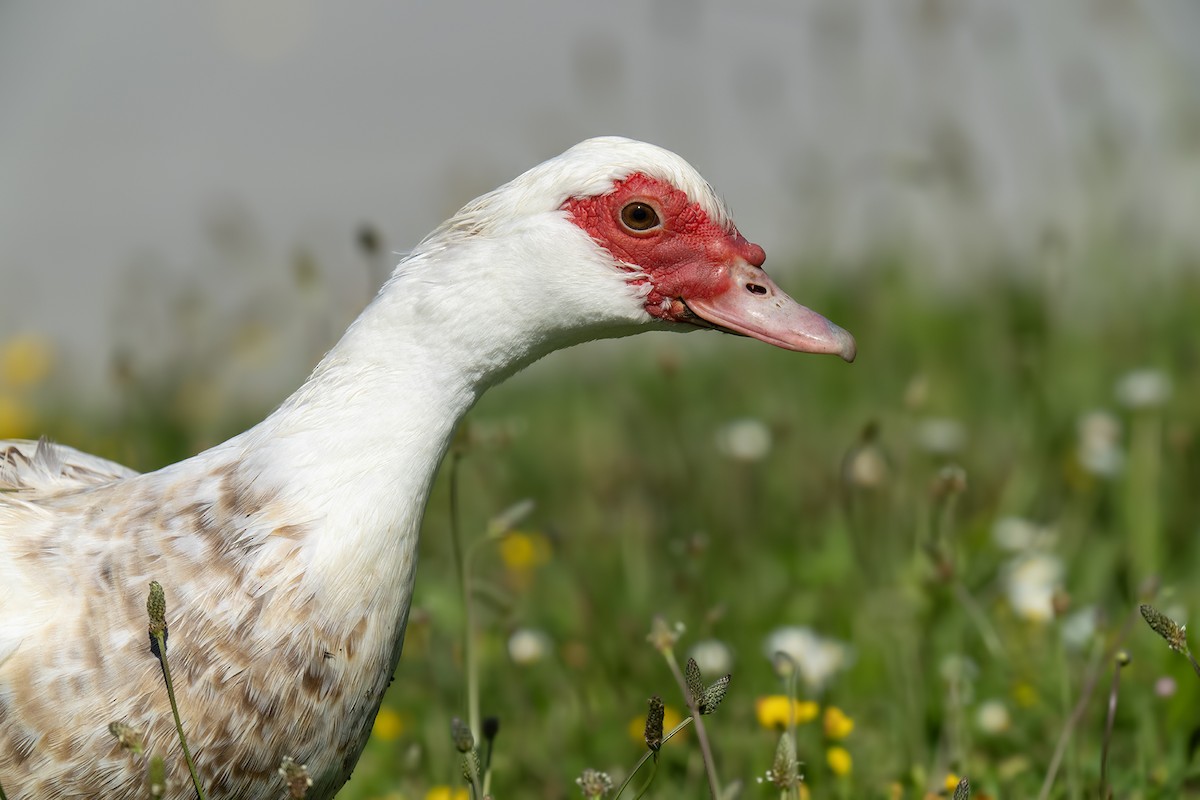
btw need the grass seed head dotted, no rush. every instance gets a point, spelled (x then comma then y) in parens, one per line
(1174, 633)
(785, 769)
(129, 738)
(663, 636)
(470, 767)
(460, 733)
(654, 723)
(713, 695)
(296, 777)
(156, 609)
(594, 784)
(695, 682)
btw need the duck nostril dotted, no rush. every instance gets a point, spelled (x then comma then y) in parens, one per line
(754, 288)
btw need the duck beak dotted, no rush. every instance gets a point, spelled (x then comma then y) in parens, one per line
(752, 305)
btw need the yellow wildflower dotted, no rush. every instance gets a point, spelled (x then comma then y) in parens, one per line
(777, 711)
(671, 718)
(839, 761)
(25, 360)
(16, 419)
(388, 725)
(837, 725)
(951, 782)
(447, 793)
(522, 551)
(1025, 695)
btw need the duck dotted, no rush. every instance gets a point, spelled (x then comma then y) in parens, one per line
(288, 553)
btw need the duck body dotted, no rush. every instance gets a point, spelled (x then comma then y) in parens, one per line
(288, 552)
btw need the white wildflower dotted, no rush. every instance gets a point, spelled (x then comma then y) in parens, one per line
(529, 646)
(1143, 389)
(713, 657)
(1017, 534)
(992, 717)
(744, 439)
(816, 658)
(1030, 583)
(941, 436)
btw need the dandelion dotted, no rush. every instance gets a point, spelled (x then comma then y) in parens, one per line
(524, 552)
(1099, 444)
(817, 658)
(992, 717)
(712, 656)
(1030, 584)
(529, 646)
(839, 761)
(389, 726)
(1025, 695)
(1143, 389)
(447, 793)
(951, 782)
(745, 440)
(836, 724)
(25, 360)
(941, 436)
(778, 711)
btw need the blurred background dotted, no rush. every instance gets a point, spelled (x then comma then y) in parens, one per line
(198, 153)
(949, 538)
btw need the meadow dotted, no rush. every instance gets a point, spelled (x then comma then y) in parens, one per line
(950, 539)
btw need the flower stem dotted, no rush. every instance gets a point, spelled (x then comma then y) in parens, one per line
(161, 640)
(710, 766)
(462, 563)
(647, 755)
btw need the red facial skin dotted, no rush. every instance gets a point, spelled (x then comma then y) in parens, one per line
(700, 272)
(687, 255)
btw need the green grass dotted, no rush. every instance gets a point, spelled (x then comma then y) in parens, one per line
(645, 516)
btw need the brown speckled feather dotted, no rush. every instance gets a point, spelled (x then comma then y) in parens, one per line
(259, 677)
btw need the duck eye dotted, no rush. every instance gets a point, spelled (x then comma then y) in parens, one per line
(639, 217)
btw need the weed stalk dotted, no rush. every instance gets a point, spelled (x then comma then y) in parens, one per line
(156, 609)
(647, 756)
(1122, 660)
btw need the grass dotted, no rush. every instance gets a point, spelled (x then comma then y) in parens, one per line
(865, 522)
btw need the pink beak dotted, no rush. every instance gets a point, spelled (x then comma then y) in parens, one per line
(754, 306)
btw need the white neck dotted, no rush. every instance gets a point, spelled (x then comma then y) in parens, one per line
(353, 453)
